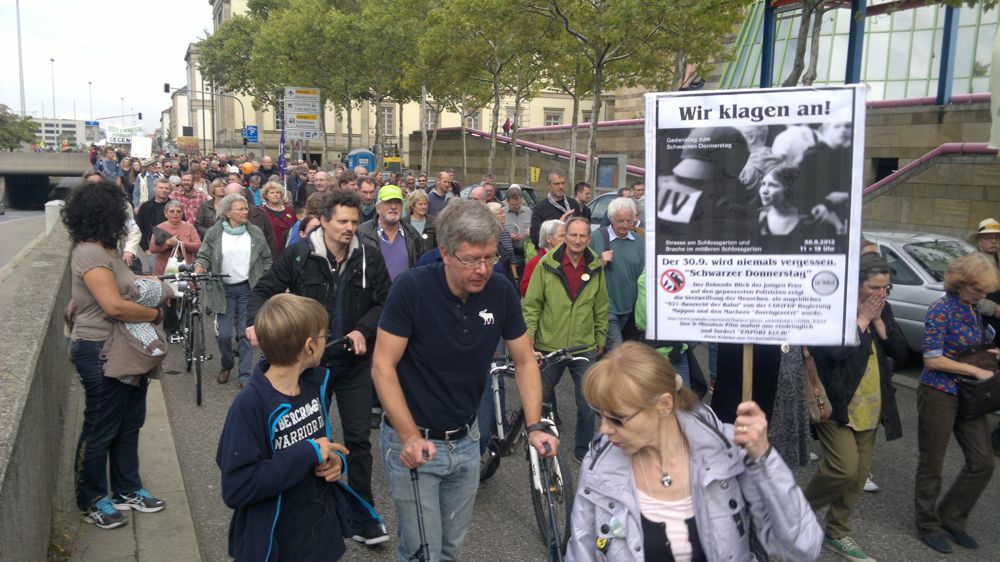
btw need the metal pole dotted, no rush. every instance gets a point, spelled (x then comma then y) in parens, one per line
(203, 139)
(856, 42)
(90, 91)
(946, 69)
(767, 47)
(20, 58)
(52, 62)
(123, 112)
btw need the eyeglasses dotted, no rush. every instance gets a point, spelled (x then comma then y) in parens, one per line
(614, 420)
(473, 264)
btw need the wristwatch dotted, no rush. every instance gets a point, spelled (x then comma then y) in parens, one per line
(543, 425)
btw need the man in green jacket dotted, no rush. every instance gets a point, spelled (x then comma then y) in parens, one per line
(567, 305)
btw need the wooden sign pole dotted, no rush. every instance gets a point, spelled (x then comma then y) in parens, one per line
(747, 372)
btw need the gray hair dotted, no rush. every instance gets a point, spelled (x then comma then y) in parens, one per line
(514, 192)
(468, 221)
(174, 181)
(548, 230)
(172, 203)
(619, 204)
(226, 204)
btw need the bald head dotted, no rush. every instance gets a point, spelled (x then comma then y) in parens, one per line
(361, 171)
(234, 188)
(478, 193)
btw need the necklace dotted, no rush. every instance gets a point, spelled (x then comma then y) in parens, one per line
(665, 479)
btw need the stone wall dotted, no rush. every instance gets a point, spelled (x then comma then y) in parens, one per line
(34, 377)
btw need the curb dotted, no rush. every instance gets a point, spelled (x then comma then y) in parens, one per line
(168, 535)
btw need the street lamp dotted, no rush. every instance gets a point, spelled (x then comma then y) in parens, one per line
(90, 91)
(53, 64)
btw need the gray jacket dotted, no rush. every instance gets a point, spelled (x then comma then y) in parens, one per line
(210, 258)
(727, 492)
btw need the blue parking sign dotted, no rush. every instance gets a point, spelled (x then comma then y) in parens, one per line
(251, 133)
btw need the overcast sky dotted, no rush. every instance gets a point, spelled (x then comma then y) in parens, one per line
(127, 48)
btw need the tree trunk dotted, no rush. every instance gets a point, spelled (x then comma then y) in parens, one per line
(326, 143)
(465, 162)
(678, 79)
(595, 112)
(817, 25)
(571, 172)
(800, 47)
(379, 163)
(518, 91)
(399, 147)
(350, 126)
(424, 157)
(430, 149)
(494, 123)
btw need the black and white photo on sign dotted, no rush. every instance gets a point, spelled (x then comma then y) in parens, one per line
(757, 204)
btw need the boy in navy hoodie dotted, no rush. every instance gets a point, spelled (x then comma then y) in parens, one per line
(280, 470)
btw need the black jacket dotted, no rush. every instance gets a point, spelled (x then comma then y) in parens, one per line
(354, 298)
(368, 233)
(429, 237)
(544, 210)
(841, 369)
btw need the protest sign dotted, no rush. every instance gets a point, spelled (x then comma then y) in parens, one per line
(755, 215)
(121, 135)
(142, 147)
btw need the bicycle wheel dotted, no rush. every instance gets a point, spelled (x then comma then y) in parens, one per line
(185, 331)
(562, 490)
(197, 337)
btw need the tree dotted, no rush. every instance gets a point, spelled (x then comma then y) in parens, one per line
(567, 74)
(15, 129)
(625, 42)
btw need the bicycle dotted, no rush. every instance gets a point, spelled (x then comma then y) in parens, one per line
(191, 331)
(551, 479)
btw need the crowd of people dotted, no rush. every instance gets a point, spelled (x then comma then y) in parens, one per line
(391, 296)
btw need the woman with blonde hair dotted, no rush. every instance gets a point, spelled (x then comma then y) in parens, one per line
(418, 218)
(669, 480)
(953, 324)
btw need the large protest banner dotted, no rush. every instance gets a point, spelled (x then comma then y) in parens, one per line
(122, 135)
(757, 216)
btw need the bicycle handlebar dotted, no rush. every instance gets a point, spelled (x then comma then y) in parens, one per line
(344, 342)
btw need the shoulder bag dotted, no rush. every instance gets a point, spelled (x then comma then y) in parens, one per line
(817, 403)
(978, 397)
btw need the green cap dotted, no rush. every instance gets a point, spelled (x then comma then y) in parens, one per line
(390, 192)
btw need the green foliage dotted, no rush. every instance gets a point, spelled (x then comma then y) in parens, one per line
(15, 129)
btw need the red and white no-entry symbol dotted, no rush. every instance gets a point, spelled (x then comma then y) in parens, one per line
(672, 281)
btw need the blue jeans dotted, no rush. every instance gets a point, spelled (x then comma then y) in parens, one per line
(616, 323)
(448, 485)
(237, 299)
(585, 417)
(113, 414)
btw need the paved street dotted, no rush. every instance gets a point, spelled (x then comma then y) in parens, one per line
(504, 527)
(17, 229)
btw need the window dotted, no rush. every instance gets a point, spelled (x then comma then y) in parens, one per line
(586, 116)
(388, 120)
(472, 120)
(884, 167)
(553, 117)
(509, 114)
(431, 118)
(279, 111)
(901, 273)
(935, 256)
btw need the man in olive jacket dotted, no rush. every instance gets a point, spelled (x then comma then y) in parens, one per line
(567, 305)
(334, 267)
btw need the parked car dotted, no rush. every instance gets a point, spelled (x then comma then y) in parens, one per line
(918, 262)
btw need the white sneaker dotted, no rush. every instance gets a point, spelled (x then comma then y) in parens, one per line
(870, 485)
(813, 456)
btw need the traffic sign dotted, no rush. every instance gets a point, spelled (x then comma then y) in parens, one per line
(302, 112)
(251, 134)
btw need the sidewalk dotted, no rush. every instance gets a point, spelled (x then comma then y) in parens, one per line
(168, 535)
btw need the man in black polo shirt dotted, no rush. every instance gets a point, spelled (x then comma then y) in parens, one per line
(438, 331)
(555, 205)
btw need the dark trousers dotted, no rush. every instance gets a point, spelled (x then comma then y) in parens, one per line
(237, 299)
(937, 419)
(352, 383)
(113, 414)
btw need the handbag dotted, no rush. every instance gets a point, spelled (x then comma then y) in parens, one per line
(978, 397)
(173, 267)
(817, 403)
